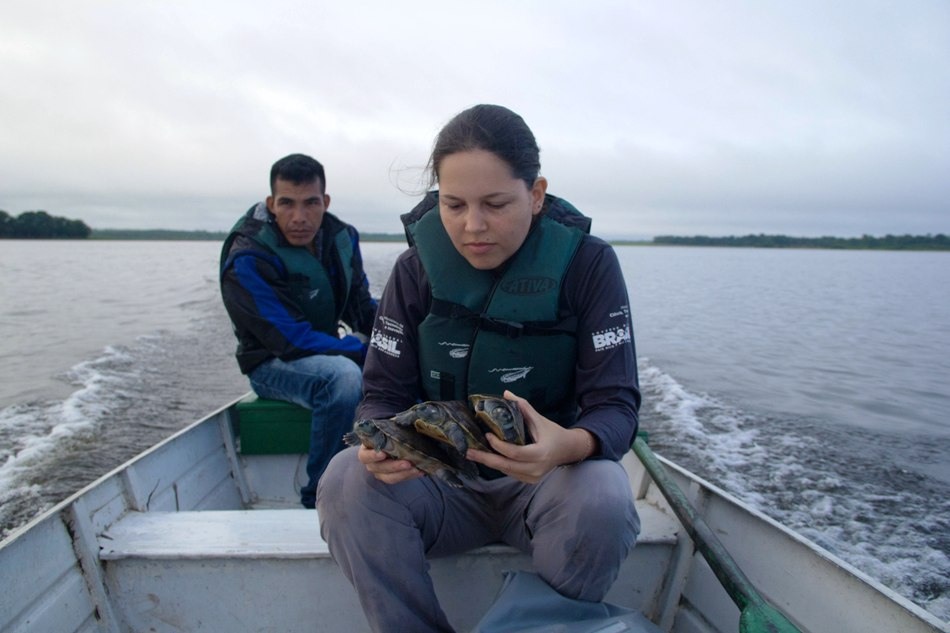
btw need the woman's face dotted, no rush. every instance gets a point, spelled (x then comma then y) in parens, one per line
(486, 211)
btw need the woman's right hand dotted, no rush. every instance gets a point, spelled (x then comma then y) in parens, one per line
(385, 468)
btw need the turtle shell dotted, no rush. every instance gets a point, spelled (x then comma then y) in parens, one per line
(501, 417)
(402, 442)
(448, 421)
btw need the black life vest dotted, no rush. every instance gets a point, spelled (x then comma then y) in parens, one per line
(307, 277)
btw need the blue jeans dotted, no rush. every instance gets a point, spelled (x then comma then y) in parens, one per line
(331, 386)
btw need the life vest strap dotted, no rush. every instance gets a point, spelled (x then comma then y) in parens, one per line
(505, 327)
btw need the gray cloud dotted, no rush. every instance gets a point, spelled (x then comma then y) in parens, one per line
(675, 117)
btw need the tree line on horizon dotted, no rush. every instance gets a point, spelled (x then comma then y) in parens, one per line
(41, 225)
(938, 242)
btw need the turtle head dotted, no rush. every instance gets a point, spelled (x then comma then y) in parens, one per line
(366, 431)
(364, 427)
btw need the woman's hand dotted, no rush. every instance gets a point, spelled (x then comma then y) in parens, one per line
(553, 446)
(387, 469)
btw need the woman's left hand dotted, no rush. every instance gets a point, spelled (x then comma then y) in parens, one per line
(553, 446)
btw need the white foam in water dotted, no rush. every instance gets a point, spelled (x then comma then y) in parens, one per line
(715, 434)
(37, 431)
(793, 472)
(50, 424)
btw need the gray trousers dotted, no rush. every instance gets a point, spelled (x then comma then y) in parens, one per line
(578, 525)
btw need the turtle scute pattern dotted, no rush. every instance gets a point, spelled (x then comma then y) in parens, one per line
(435, 434)
(426, 454)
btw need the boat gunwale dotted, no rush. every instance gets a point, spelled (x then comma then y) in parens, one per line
(816, 549)
(697, 486)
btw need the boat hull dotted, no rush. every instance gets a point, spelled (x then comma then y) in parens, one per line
(193, 535)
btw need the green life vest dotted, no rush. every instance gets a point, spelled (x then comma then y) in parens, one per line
(487, 332)
(306, 276)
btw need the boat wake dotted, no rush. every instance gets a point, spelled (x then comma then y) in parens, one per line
(126, 399)
(864, 496)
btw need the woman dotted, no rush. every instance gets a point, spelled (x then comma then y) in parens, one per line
(501, 290)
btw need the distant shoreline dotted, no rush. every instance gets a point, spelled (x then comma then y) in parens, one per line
(206, 236)
(939, 242)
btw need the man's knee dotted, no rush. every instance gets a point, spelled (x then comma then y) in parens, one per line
(334, 380)
(351, 379)
(343, 376)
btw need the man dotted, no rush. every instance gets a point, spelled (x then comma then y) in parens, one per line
(291, 273)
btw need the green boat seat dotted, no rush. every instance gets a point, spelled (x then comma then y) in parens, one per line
(271, 427)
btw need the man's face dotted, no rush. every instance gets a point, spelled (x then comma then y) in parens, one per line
(299, 210)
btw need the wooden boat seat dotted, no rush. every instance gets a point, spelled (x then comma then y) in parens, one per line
(281, 533)
(186, 568)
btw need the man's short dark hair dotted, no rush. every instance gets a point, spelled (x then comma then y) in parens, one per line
(299, 169)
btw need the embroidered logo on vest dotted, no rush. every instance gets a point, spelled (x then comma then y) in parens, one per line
(512, 374)
(459, 350)
(528, 285)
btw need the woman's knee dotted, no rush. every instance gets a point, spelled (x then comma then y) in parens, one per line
(336, 483)
(586, 524)
(611, 509)
(611, 504)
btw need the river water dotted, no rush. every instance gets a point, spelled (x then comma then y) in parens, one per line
(812, 384)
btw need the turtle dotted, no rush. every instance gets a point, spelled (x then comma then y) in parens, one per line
(401, 442)
(448, 421)
(500, 416)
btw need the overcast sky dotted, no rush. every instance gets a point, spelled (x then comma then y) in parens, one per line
(675, 117)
